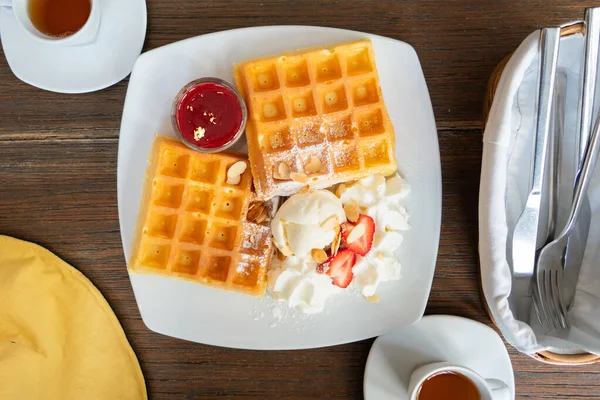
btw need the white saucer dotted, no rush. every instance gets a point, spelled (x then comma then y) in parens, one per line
(462, 341)
(84, 68)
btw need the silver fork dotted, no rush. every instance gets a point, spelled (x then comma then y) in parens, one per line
(551, 260)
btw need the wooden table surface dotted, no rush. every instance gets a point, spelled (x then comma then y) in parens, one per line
(58, 157)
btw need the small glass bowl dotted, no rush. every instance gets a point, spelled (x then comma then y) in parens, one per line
(185, 91)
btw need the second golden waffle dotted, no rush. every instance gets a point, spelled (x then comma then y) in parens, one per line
(316, 118)
(198, 221)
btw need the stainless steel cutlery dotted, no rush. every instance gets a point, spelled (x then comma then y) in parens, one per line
(544, 251)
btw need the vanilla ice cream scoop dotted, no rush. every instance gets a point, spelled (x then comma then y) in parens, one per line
(299, 225)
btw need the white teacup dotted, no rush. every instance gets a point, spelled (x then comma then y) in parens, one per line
(489, 389)
(86, 34)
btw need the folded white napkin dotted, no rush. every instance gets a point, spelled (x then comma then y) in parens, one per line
(507, 150)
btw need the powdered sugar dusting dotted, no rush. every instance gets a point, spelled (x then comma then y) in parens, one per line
(242, 269)
(278, 314)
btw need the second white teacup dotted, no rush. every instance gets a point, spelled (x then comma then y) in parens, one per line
(86, 34)
(489, 389)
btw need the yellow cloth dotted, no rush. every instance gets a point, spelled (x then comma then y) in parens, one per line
(59, 338)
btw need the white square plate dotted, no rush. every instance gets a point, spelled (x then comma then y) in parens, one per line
(201, 314)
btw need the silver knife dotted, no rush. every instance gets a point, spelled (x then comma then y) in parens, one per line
(525, 236)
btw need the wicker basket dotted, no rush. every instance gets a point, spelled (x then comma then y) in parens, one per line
(543, 356)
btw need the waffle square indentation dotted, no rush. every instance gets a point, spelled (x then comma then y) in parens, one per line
(333, 98)
(247, 274)
(161, 225)
(370, 123)
(217, 267)
(204, 171)
(265, 76)
(295, 70)
(173, 164)
(346, 158)
(155, 255)
(339, 127)
(229, 207)
(276, 139)
(199, 199)
(193, 230)
(359, 61)
(270, 109)
(223, 236)
(186, 262)
(302, 103)
(167, 194)
(376, 153)
(327, 66)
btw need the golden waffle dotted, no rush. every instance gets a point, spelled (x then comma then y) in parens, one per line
(319, 111)
(194, 225)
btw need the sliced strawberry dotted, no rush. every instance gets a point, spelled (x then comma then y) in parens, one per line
(362, 240)
(340, 268)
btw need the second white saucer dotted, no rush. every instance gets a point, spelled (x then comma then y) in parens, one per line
(83, 68)
(434, 338)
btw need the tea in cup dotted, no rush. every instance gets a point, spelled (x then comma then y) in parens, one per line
(453, 382)
(63, 22)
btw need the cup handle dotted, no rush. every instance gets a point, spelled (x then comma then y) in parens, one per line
(499, 389)
(6, 3)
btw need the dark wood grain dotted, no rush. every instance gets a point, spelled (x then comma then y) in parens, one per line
(58, 158)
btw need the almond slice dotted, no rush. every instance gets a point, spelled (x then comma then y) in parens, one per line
(319, 255)
(313, 165)
(234, 180)
(254, 212)
(285, 237)
(299, 177)
(280, 255)
(258, 213)
(263, 216)
(337, 240)
(352, 212)
(330, 223)
(236, 169)
(282, 171)
(234, 173)
(356, 233)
